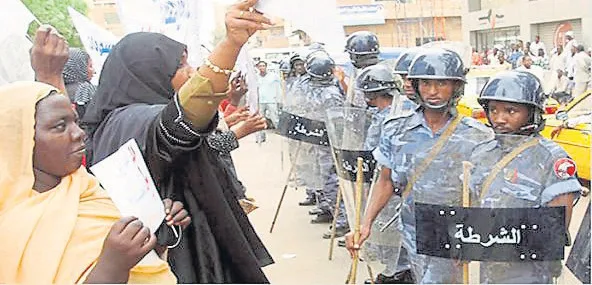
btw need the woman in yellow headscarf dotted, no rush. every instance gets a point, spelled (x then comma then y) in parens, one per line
(57, 224)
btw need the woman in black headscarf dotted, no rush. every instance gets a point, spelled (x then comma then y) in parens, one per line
(77, 73)
(148, 92)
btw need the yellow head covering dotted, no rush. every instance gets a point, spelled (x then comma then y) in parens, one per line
(55, 236)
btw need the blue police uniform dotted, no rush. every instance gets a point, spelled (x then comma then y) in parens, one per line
(532, 179)
(405, 143)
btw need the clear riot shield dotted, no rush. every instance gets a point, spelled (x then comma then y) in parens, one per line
(300, 125)
(478, 198)
(348, 132)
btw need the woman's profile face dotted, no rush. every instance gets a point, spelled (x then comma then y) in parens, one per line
(184, 72)
(90, 69)
(59, 141)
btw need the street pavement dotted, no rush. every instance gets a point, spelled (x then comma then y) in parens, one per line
(300, 253)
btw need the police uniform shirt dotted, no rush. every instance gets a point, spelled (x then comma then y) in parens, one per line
(405, 142)
(533, 178)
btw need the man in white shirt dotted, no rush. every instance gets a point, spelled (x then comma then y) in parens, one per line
(582, 76)
(527, 65)
(269, 87)
(537, 45)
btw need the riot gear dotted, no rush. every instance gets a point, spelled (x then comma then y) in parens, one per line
(404, 61)
(284, 67)
(363, 48)
(294, 58)
(517, 87)
(320, 66)
(375, 81)
(437, 64)
(362, 43)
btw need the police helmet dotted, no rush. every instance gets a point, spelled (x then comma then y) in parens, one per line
(437, 63)
(320, 66)
(294, 58)
(376, 78)
(404, 61)
(362, 43)
(516, 87)
(284, 66)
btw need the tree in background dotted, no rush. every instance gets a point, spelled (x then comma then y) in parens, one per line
(55, 13)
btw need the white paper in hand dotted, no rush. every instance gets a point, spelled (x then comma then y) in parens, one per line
(126, 178)
(278, 8)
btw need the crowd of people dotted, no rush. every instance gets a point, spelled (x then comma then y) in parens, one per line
(415, 133)
(569, 65)
(59, 225)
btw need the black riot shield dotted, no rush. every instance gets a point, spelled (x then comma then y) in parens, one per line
(487, 207)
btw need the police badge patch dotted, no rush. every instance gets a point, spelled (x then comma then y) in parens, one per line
(564, 168)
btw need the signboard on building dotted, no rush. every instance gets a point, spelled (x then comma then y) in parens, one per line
(361, 15)
(491, 19)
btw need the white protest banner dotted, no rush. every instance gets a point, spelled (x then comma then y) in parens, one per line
(127, 180)
(97, 41)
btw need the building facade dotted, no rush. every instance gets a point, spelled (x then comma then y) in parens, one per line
(501, 22)
(397, 23)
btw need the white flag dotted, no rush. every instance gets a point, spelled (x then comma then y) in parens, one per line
(97, 41)
(318, 18)
(14, 45)
(15, 18)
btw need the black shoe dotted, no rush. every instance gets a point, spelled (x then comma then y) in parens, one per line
(307, 202)
(341, 243)
(322, 219)
(339, 232)
(315, 211)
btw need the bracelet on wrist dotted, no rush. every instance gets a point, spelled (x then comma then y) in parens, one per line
(216, 68)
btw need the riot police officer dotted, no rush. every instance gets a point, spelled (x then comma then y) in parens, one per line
(538, 172)
(320, 94)
(413, 150)
(378, 84)
(402, 68)
(363, 49)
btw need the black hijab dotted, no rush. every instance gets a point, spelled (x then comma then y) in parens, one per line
(138, 69)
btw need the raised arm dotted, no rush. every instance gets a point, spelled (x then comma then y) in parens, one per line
(200, 106)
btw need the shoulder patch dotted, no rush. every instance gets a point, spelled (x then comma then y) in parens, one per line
(564, 168)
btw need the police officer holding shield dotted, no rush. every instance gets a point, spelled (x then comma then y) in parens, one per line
(414, 148)
(363, 49)
(321, 93)
(532, 171)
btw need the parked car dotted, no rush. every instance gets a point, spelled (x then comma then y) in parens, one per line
(476, 80)
(575, 136)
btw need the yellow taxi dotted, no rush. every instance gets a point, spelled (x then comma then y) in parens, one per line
(476, 80)
(575, 135)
